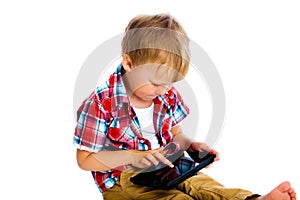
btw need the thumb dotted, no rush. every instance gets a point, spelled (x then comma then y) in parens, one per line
(160, 149)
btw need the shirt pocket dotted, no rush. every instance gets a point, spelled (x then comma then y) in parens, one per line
(124, 137)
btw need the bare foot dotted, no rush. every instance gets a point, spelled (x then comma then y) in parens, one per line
(284, 191)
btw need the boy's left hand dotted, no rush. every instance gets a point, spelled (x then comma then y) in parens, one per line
(199, 146)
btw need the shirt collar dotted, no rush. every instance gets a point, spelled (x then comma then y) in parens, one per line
(117, 89)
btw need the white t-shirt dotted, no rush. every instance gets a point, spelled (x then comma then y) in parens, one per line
(145, 116)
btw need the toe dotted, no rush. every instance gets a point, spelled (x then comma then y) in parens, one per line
(284, 186)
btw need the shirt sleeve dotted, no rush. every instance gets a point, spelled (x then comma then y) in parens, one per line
(92, 126)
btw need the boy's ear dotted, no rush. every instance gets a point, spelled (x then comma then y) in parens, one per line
(127, 63)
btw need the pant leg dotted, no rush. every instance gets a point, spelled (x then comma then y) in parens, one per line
(115, 193)
(124, 189)
(202, 186)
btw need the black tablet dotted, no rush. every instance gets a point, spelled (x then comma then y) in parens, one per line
(167, 177)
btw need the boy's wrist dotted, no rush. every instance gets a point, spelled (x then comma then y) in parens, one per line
(183, 141)
(129, 156)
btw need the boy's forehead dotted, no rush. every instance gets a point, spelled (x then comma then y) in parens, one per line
(156, 73)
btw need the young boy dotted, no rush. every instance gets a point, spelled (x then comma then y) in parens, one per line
(128, 120)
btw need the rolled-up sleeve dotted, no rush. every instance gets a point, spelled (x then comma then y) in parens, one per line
(92, 126)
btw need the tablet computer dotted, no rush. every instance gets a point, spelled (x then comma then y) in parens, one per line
(165, 177)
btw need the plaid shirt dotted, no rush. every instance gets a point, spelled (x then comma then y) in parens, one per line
(106, 119)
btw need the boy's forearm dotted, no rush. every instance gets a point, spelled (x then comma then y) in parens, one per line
(183, 140)
(103, 160)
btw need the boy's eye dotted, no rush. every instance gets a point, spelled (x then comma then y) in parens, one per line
(166, 86)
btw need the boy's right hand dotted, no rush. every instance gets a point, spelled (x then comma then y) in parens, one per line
(144, 159)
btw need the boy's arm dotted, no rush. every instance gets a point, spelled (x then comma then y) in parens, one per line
(87, 160)
(181, 138)
(106, 160)
(189, 144)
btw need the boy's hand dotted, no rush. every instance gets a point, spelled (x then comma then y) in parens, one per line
(144, 159)
(199, 146)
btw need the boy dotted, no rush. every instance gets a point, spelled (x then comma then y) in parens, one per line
(128, 120)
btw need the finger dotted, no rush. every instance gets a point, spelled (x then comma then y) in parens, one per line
(152, 159)
(205, 147)
(162, 159)
(158, 149)
(216, 153)
(292, 192)
(217, 158)
(208, 166)
(143, 163)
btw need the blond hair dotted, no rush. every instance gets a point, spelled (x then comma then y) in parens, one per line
(157, 39)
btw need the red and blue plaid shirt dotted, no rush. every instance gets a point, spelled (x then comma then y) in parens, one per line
(106, 119)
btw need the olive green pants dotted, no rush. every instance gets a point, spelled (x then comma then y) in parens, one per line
(200, 186)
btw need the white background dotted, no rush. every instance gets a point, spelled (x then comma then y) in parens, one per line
(43, 44)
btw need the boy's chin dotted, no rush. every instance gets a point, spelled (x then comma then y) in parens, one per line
(151, 97)
(148, 98)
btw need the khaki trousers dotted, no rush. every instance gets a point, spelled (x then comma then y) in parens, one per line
(200, 186)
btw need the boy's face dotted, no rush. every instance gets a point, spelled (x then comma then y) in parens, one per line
(148, 81)
(150, 91)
